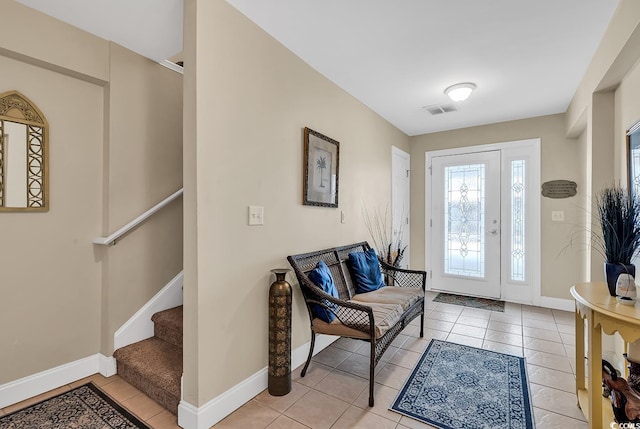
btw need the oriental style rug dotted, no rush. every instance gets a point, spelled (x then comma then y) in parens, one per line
(470, 301)
(455, 386)
(85, 407)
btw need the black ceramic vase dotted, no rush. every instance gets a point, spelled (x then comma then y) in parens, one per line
(612, 271)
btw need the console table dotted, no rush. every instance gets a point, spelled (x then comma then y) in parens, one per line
(603, 314)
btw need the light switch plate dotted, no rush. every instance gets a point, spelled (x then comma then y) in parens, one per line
(256, 215)
(557, 216)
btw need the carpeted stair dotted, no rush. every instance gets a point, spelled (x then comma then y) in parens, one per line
(154, 365)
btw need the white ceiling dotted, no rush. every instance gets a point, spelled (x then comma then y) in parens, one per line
(526, 56)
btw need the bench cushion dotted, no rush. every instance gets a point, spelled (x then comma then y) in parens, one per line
(403, 296)
(384, 316)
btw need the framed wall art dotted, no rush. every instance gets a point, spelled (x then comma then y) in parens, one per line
(633, 158)
(321, 166)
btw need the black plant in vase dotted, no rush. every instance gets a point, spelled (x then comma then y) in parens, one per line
(619, 221)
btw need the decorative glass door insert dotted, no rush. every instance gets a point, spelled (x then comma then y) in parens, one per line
(518, 211)
(464, 216)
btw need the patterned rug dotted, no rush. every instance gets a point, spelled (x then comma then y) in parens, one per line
(85, 407)
(470, 301)
(455, 386)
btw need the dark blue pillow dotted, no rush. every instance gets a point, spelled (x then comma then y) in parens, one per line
(365, 269)
(321, 277)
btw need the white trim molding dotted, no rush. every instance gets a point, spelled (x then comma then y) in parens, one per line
(192, 417)
(140, 327)
(172, 66)
(36, 384)
(107, 365)
(557, 303)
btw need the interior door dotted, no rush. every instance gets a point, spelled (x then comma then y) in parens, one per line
(465, 224)
(400, 198)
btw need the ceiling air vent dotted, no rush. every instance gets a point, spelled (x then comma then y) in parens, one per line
(438, 109)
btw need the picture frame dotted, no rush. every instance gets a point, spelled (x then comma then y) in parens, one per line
(633, 160)
(321, 169)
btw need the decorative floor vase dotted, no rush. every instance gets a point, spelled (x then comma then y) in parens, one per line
(612, 271)
(280, 334)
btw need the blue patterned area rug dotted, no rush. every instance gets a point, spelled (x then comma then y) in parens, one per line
(455, 387)
(85, 407)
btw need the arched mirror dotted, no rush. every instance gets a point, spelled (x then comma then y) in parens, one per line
(24, 155)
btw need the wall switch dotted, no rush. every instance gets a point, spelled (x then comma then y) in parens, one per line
(256, 215)
(343, 217)
(557, 216)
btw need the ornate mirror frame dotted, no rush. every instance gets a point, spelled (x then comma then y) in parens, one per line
(17, 110)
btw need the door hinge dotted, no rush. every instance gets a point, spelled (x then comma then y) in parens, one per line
(431, 222)
(407, 221)
(408, 172)
(430, 274)
(431, 170)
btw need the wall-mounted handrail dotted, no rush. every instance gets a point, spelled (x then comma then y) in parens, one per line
(107, 241)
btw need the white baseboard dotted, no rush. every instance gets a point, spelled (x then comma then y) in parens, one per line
(107, 365)
(557, 303)
(140, 327)
(191, 417)
(36, 384)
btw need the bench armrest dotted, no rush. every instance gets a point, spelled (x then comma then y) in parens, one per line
(401, 277)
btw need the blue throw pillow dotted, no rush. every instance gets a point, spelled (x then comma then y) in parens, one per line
(321, 277)
(365, 269)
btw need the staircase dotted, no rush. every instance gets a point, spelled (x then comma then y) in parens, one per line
(154, 365)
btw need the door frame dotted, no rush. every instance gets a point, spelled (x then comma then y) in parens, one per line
(397, 152)
(533, 213)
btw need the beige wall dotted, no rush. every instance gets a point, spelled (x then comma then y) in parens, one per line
(561, 263)
(600, 164)
(627, 113)
(605, 105)
(37, 38)
(51, 281)
(615, 55)
(115, 148)
(143, 166)
(248, 99)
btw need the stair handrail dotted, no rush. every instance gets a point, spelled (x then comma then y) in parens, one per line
(111, 239)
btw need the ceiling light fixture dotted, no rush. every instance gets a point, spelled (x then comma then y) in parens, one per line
(460, 91)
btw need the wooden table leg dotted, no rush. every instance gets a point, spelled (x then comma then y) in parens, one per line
(594, 356)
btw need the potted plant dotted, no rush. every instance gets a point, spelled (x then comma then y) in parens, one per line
(619, 221)
(388, 250)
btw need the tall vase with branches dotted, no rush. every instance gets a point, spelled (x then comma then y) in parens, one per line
(618, 215)
(389, 250)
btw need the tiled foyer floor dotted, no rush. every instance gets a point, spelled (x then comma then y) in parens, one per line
(335, 391)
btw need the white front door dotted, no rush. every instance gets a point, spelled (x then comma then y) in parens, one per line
(400, 201)
(482, 233)
(465, 226)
